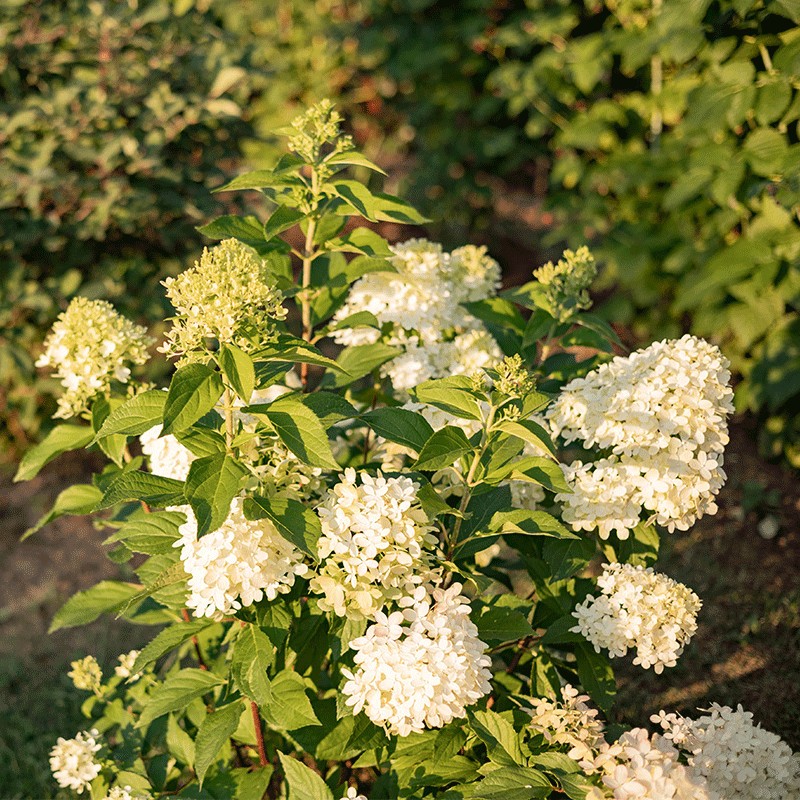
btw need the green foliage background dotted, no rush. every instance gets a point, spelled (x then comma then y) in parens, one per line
(665, 132)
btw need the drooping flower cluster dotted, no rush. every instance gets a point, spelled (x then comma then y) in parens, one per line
(420, 304)
(168, 457)
(566, 283)
(236, 565)
(86, 674)
(90, 346)
(228, 296)
(735, 757)
(571, 722)
(662, 412)
(72, 761)
(640, 609)
(373, 545)
(419, 667)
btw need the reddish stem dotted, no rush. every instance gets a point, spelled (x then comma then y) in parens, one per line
(262, 753)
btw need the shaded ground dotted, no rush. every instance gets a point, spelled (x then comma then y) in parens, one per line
(747, 649)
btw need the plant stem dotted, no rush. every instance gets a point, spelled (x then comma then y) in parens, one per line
(262, 753)
(308, 257)
(227, 401)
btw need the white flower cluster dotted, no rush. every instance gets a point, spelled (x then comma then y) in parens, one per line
(662, 412)
(420, 303)
(168, 457)
(641, 609)
(72, 761)
(571, 722)
(373, 544)
(736, 758)
(126, 662)
(124, 793)
(352, 794)
(419, 667)
(236, 565)
(89, 346)
(640, 767)
(228, 296)
(86, 674)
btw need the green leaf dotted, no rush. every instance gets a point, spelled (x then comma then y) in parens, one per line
(258, 179)
(529, 523)
(81, 498)
(499, 312)
(253, 655)
(330, 408)
(85, 607)
(353, 159)
(498, 622)
(290, 348)
(61, 439)
(214, 732)
(135, 416)
(211, 485)
(640, 548)
(530, 432)
(304, 783)
(599, 326)
(445, 446)
(400, 425)
(499, 736)
(299, 428)
(356, 362)
(151, 489)
(246, 229)
(295, 521)
(290, 707)
(389, 208)
(112, 446)
(201, 441)
(568, 557)
(365, 242)
(358, 196)
(179, 744)
(193, 392)
(510, 783)
(170, 576)
(281, 220)
(152, 533)
(543, 471)
(177, 692)
(167, 640)
(560, 632)
(238, 368)
(454, 394)
(596, 676)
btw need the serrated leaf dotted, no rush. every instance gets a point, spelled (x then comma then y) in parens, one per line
(443, 448)
(400, 425)
(135, 416)
(211, 485)
(167, 640)
(246, 229)
(258, 179)
(454, 395)
(290, 348)
(301, 431)
(193, 391)
(151, 533)
(201, 441)
(352, 158)
(303, 782)
(60, 440)
(498, 734)
(596, 676)
(295, 521)
(82, 498)
(530, 432)
(290, 707)
(510, 783)
(85, 607)
(214, 732)
(238, 368)
(360, 360)
(498, 623)
(529, 523)
(330, 408)
(179, 743)
(539, 470)
(281, 220)
(365, 242)
(568, 557)
(560, 632)
(151, 489)
(177, 692)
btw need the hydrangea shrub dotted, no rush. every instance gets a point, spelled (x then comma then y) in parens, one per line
(391, 528)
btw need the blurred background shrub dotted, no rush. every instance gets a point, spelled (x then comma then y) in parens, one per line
(665, 134)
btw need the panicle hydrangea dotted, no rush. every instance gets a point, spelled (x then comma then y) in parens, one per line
(373, 544)
(640, 609)
(89, 346)
(420, 304)
(228, 296)
(168, 457)
(643, 767)
(236, 565)
(736, 757)
(72, 761)
(126, 662)
(313, 129)
(86, 674)
(566, 283)
(571, 722)
(662, 413)
(419, 667)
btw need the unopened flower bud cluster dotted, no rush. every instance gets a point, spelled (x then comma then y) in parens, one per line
(662, 413)
(639, 609)
(227, 297)
(86, 674)
(420, 666)
(566, 283)
(420, 306)
(90, 346)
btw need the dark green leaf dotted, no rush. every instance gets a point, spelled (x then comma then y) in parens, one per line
(281, 220)
(443, 448)
(214, 732)
(177, 692)
(167, 640)
(135, 416)
(82, 498)
(299, 428)
(246, 229)
(211, 485)
(356, 362)
(151, 489)
(454, 394)
(400, 425)
(295, 521)
(238, 368)
(193, 391)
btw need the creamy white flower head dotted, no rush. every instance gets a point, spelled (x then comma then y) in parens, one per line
(72, 761)
(168, 457)
(374, 543)
(571, 722)
(352, 794)
(737, 758)
(419, 667)
(238, 564)
(640, 609)
(90, 346)
(662, 412)
(476, 273)
(125, 793)
(126, 662)
(228, 296)
(86, 674)
(640, 767)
